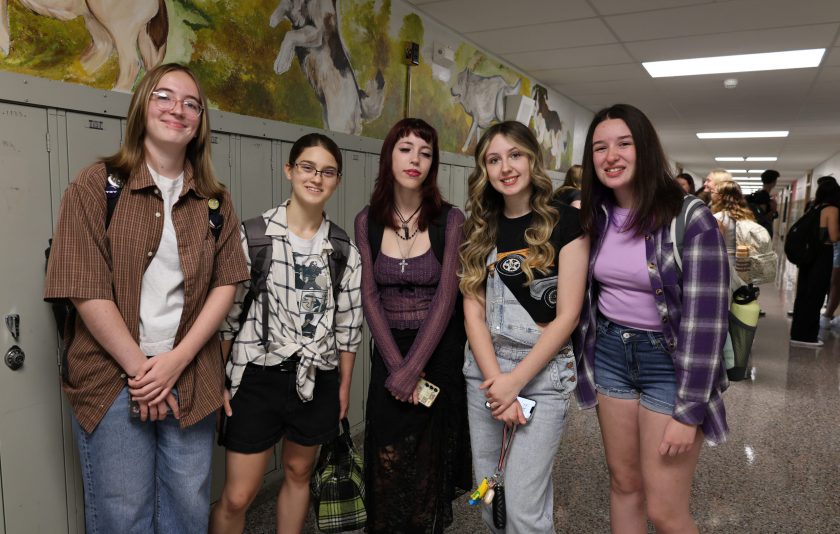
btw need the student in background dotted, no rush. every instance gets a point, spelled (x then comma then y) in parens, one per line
(652, 333)
(729, 207)
(151, 287)
(686, 181)
(523, 274)
(569, 192)
(294, 385)
(813, 280)
(417, 457)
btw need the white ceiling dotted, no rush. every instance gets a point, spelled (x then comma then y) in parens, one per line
(591, 51)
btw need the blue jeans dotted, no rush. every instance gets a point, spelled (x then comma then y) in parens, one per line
(143, 477)
(633, 364)
(528, 485)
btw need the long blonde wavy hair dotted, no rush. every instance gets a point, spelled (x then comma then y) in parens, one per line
(485, 205)
(730, 200)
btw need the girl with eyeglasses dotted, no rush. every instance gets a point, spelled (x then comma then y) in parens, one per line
(151, 279)
(293, 384)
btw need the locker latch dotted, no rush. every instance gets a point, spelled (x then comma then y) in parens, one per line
(13, 324)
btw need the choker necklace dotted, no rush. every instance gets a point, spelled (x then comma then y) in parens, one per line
(406, 222)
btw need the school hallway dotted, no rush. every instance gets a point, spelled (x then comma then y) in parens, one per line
(779, 471)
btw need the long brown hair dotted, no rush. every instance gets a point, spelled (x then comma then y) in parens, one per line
(132, 154)
(657, 196)
(731, 201)
(485, 205)
(382, 198)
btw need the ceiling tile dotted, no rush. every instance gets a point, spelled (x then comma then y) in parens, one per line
(745, 42)
(720, 17)
(628, 71)
(614, 7)
(568, 58)
(544, 36)
(478, 15)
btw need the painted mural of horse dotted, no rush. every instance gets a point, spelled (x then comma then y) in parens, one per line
(483, 99)
(124, 25)
(315, 40)
(550, 130)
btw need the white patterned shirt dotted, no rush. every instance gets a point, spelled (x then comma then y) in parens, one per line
(285, 327)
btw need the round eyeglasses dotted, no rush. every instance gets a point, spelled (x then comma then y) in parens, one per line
(165, 101)
(308, 170)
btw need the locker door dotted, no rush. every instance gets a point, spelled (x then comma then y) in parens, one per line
(444, 180)
(459, 186)
(282, 187)
(32, 478)
(371, 172)
(90, 137)
(220, 152)
(352, 182)
(255, 185)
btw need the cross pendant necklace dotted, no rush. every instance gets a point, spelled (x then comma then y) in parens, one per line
(403, 263)
(405, 256)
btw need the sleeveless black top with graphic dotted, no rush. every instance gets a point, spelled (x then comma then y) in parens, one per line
(540, 297)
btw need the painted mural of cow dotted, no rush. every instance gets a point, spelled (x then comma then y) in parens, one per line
(124, 25)
(315, 40)
(549, 128)
(483, 98)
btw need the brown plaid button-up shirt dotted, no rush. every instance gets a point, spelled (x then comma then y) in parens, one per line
(86, 262)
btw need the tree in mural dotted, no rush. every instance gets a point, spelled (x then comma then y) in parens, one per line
(124, 25)
(316, 42)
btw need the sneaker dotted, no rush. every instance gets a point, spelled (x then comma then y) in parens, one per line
(809, 344)
(825, 322)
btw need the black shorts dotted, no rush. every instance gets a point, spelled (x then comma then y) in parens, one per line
(266, 407)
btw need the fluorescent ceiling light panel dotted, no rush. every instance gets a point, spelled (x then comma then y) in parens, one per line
(792, 59)
(729, 158)
(741, 135)
(762, 158)
(755, 171)
(734, 171)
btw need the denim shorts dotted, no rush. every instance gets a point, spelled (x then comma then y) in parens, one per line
(633, 364)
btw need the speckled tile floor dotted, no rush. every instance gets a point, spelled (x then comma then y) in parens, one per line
(779, 472)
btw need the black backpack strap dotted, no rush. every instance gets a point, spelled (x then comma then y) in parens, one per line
(113, 187)
(375, 233)
(437, 232)
(259, 252)
(338, 259)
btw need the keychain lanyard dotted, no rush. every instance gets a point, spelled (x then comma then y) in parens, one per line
(507, 439)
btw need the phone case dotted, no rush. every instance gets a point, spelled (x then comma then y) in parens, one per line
(528, 406)
(426, 392)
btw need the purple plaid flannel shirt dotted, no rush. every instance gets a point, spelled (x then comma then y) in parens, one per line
(694, 307)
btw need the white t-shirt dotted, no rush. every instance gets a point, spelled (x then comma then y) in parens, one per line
(162, 289)
(312, 278)
(728, 224)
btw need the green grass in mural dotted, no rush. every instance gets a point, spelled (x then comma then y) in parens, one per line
(50, 48)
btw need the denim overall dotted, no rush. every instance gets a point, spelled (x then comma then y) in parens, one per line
(527, 477)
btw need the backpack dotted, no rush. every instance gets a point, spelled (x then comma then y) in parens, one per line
(803, 239)
(763, 259)
(260, 250)
(63, 310)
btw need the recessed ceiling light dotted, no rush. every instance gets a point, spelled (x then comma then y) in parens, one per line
(733, 171)
(755, 171)
(762, 158)
(746, 179)
(729, 158)
(741, 135)
(792, 59)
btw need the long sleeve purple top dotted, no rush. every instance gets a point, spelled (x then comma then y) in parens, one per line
(693, 308)
(405, 371)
